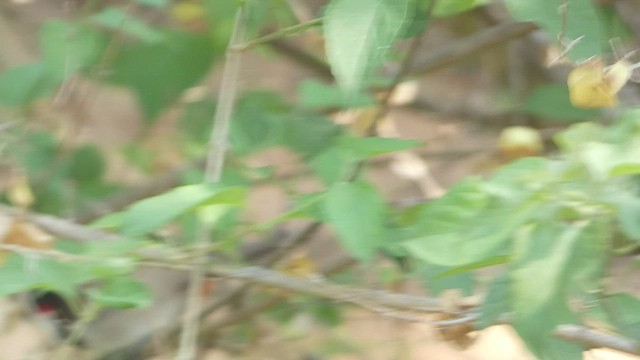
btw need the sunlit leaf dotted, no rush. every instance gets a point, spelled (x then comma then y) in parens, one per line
(152, 213)
(358, 36)
(357, 212)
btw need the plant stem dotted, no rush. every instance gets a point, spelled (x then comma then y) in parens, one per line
(277, 35)
(213, 174)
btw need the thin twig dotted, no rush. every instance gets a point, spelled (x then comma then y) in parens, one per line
(594, 339)
(470, 45)
(60, 227)
(213, 173)
(277, 35)
(379, 301)
(300, 237)
(303, 58)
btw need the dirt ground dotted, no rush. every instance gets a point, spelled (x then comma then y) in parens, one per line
(456, 147)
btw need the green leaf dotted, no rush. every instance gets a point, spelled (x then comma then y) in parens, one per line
(429, 274)
(154, 212)
(492, 261)
(116, 19)
(496, 302)
(19, 273)
(624, 311)
(257, 122)
(122, 293)
(316, 96)
(552, 102)
(465, 226)
(357, 212)
(582, 20)
(309, 135)
(333, 164)
(68, 47)
(358, 37)
(87, 164)
(627, 212)
(446, 8)
(13, 277)
(368, 147)
(159, 72)
(540, 280)
(23, 84)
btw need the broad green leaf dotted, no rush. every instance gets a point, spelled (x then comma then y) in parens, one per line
(465, 226)
(23, 84)
(14, 276)
(357, 212)
(496, 302)
(309, 135)
(116, 19)
(333, 164)
(624, 311)
(446, 8)
(627, 209)
(582, 20)
(87, 164)
(429, 274)
(18, 273)
(552, 102)
(159, 72)
(220, 17)
(152, 213)
(541, 277)
(122, 293)
(110, 221)
(367, 147)
(316, 95)
(358, 37)
(68, 47)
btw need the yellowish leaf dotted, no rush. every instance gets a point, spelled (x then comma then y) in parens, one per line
(592, 85)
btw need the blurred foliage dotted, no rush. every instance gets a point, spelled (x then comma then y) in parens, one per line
(550, 222)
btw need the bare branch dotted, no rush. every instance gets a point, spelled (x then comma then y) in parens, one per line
(277, 35)
(594, 339)
(60, 227)
(470, 45)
